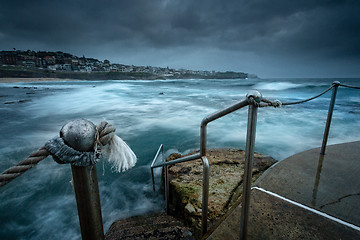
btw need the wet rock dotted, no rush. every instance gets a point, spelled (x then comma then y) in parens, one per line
(20, 101)
(190, 208)
(24, 100)
(152, 226)
(226, 174)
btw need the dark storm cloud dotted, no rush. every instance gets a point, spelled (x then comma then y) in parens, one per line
(305, 29)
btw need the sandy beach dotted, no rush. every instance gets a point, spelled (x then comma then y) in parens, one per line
(16, 80)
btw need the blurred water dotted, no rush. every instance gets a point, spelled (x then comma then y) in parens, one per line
(41, 204)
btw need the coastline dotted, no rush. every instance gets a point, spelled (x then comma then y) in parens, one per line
(26, 80)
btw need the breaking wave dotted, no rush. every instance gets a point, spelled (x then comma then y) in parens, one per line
(278, 86)
(146, 114)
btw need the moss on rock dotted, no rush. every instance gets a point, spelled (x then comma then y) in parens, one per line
(226, 176)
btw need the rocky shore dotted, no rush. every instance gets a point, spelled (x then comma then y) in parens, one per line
(226, 177)
(18, 80)
(226, 174)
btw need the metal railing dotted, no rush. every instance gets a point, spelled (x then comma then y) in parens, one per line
(254, 100)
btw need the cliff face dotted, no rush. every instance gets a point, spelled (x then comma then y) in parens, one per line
(226, 177)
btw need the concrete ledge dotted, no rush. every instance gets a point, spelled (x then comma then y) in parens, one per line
(306, 196)
(329, 183)
(272, 217)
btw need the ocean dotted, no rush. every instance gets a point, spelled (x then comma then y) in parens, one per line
(41, 204)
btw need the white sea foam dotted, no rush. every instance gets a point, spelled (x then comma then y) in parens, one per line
(277, 86)
(147, 113)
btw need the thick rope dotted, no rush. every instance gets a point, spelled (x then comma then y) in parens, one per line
(278, 103)
(348, 86)
(105, 133)
(23, 166)
(309, 99)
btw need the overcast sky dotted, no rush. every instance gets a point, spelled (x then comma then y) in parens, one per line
(277, 38)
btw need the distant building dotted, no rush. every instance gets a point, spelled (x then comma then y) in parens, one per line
(106, 63)
(52, 67)
(9, 57)
(29, 64)
(60, 61)
(74, 62)
(85, 69)
(49, 60)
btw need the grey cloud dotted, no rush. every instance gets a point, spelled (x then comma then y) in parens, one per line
(285, 29)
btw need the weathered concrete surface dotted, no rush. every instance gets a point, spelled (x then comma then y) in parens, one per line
(226, 174)
(330, 185)
(274, 218)
(152, 226)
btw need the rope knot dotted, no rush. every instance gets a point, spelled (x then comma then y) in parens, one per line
(252, 101)
(98, 140)
(105, 132)
(276, 103)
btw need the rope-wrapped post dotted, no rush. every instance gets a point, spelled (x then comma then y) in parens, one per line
(81, 135)
(80, 144)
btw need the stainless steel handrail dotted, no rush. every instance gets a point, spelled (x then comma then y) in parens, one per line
(202, 155)
(329, 117)
(253, 100)
(161, 149)
(165, 168)
(213, 117)
(249, 157)
(206, 175)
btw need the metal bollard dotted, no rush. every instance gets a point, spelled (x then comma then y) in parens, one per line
(249, 156)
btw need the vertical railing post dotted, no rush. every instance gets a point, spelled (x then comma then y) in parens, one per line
(88, 202)
(254, 97)
(203, 131)
(206, 177)
(329, 117)
(205, 194)
(167, 188)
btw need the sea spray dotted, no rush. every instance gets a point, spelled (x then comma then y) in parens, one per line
(43, 197)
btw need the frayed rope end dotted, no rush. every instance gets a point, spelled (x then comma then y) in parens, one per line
(121, 157)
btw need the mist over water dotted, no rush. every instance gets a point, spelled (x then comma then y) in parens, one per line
(41, 203)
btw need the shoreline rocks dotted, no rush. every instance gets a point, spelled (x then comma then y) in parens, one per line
(226, 174)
